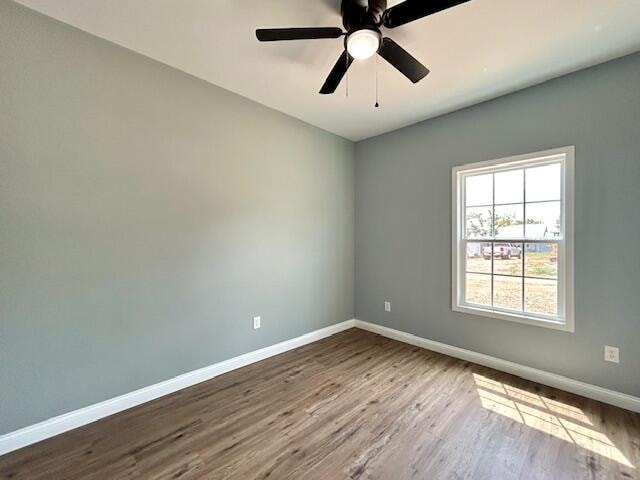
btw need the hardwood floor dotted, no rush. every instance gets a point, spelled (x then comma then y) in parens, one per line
(352, 406)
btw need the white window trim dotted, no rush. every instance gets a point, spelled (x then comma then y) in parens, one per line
(566, 271)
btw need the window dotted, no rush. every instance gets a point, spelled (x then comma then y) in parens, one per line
(513, 239)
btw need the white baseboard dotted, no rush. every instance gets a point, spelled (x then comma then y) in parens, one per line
(594, 392)
(68, 421)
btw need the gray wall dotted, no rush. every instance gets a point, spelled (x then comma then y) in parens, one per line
(403, 221)
(146, 216)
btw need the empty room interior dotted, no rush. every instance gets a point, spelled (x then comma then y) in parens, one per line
(319, 239)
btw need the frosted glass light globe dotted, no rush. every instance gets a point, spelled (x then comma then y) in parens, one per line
(363, 44)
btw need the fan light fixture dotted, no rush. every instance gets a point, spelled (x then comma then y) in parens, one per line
(363, 44)
(362, 20)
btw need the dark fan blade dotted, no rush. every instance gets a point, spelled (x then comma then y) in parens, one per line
(411, 10)
(402, 60)
(275, 34)
(336, 74)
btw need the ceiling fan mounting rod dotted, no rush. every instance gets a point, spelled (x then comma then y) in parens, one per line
(359, 14)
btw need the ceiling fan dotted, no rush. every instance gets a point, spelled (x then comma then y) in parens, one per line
(362, 20)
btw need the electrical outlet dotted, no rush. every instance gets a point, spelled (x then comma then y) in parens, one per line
(256, 323)
(387, 306)
(611, 354)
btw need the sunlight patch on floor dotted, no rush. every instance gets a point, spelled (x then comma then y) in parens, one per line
(546, 415)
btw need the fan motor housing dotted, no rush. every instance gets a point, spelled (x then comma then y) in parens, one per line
(359, 14)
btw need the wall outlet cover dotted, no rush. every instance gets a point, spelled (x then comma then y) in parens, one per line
(256, 323)
(387, 306)
(611, 354)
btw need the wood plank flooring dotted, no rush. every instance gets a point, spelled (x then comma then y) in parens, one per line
(352, 406)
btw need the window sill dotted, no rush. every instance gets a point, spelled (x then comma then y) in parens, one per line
(513, 317)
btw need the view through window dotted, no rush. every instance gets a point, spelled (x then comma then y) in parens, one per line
(511, 255)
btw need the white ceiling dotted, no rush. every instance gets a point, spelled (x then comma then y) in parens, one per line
(475, 51)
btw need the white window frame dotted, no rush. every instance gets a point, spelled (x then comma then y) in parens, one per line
(565, 320)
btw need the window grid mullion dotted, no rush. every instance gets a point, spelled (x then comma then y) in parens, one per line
(511, 203)
(493, 233)
(524, 233)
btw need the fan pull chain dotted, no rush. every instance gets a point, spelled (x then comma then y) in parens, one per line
(377, 104)
(347, 75)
